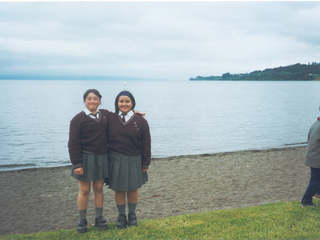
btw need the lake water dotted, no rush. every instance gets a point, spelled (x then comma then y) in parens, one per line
(185, 117)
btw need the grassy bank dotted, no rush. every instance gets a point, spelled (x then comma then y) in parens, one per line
(283, 220)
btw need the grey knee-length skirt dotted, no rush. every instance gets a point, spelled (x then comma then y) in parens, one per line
(95, 166)
(126, 172)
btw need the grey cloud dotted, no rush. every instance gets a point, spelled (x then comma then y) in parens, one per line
(170, 40)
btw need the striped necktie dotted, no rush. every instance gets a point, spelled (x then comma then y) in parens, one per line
(96, 115)
(123, 118)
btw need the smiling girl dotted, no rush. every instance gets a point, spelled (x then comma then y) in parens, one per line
(89, 156)
(129, 155)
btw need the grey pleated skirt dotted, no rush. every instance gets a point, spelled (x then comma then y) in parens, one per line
(126, 172)
(95, 166)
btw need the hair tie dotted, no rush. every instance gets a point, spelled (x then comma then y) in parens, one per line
(124, 93)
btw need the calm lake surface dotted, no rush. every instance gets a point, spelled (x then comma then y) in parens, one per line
(185, 117)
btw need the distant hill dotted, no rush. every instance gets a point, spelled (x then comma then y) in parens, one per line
(296, 72)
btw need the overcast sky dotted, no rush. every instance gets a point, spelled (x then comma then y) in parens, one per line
(156, 40)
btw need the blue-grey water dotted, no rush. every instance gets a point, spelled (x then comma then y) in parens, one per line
(185, 117)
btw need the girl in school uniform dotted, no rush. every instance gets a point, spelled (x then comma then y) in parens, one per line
(89, 156)
(129, 156)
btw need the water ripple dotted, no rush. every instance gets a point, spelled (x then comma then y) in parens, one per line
(185, 118)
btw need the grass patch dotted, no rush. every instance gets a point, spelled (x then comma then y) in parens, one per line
(283, 220)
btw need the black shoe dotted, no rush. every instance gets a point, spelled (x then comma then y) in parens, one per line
(101, 223)
(122, 221)
(82, 226)
(309, 205)
(132, 218)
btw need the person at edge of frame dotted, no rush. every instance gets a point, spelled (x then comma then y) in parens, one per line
(312, 160)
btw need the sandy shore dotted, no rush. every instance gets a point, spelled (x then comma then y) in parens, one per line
(44, 199)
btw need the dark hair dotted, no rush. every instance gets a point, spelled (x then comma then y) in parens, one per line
(96, 92)
(124, 93)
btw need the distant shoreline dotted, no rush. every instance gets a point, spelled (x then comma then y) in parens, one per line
(261, 80)
(295, 72)
(5, 168)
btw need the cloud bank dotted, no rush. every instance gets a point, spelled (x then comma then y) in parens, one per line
(155, 40)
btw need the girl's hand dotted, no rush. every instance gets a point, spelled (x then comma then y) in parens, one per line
(144, 169)
(137, 112)
(78, 171)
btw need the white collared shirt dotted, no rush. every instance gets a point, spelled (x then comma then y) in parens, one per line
(86, 111)
(127, 116)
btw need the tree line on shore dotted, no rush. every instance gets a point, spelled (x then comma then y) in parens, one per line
(296, 72)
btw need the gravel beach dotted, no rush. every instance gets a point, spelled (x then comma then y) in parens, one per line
(45, 199)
